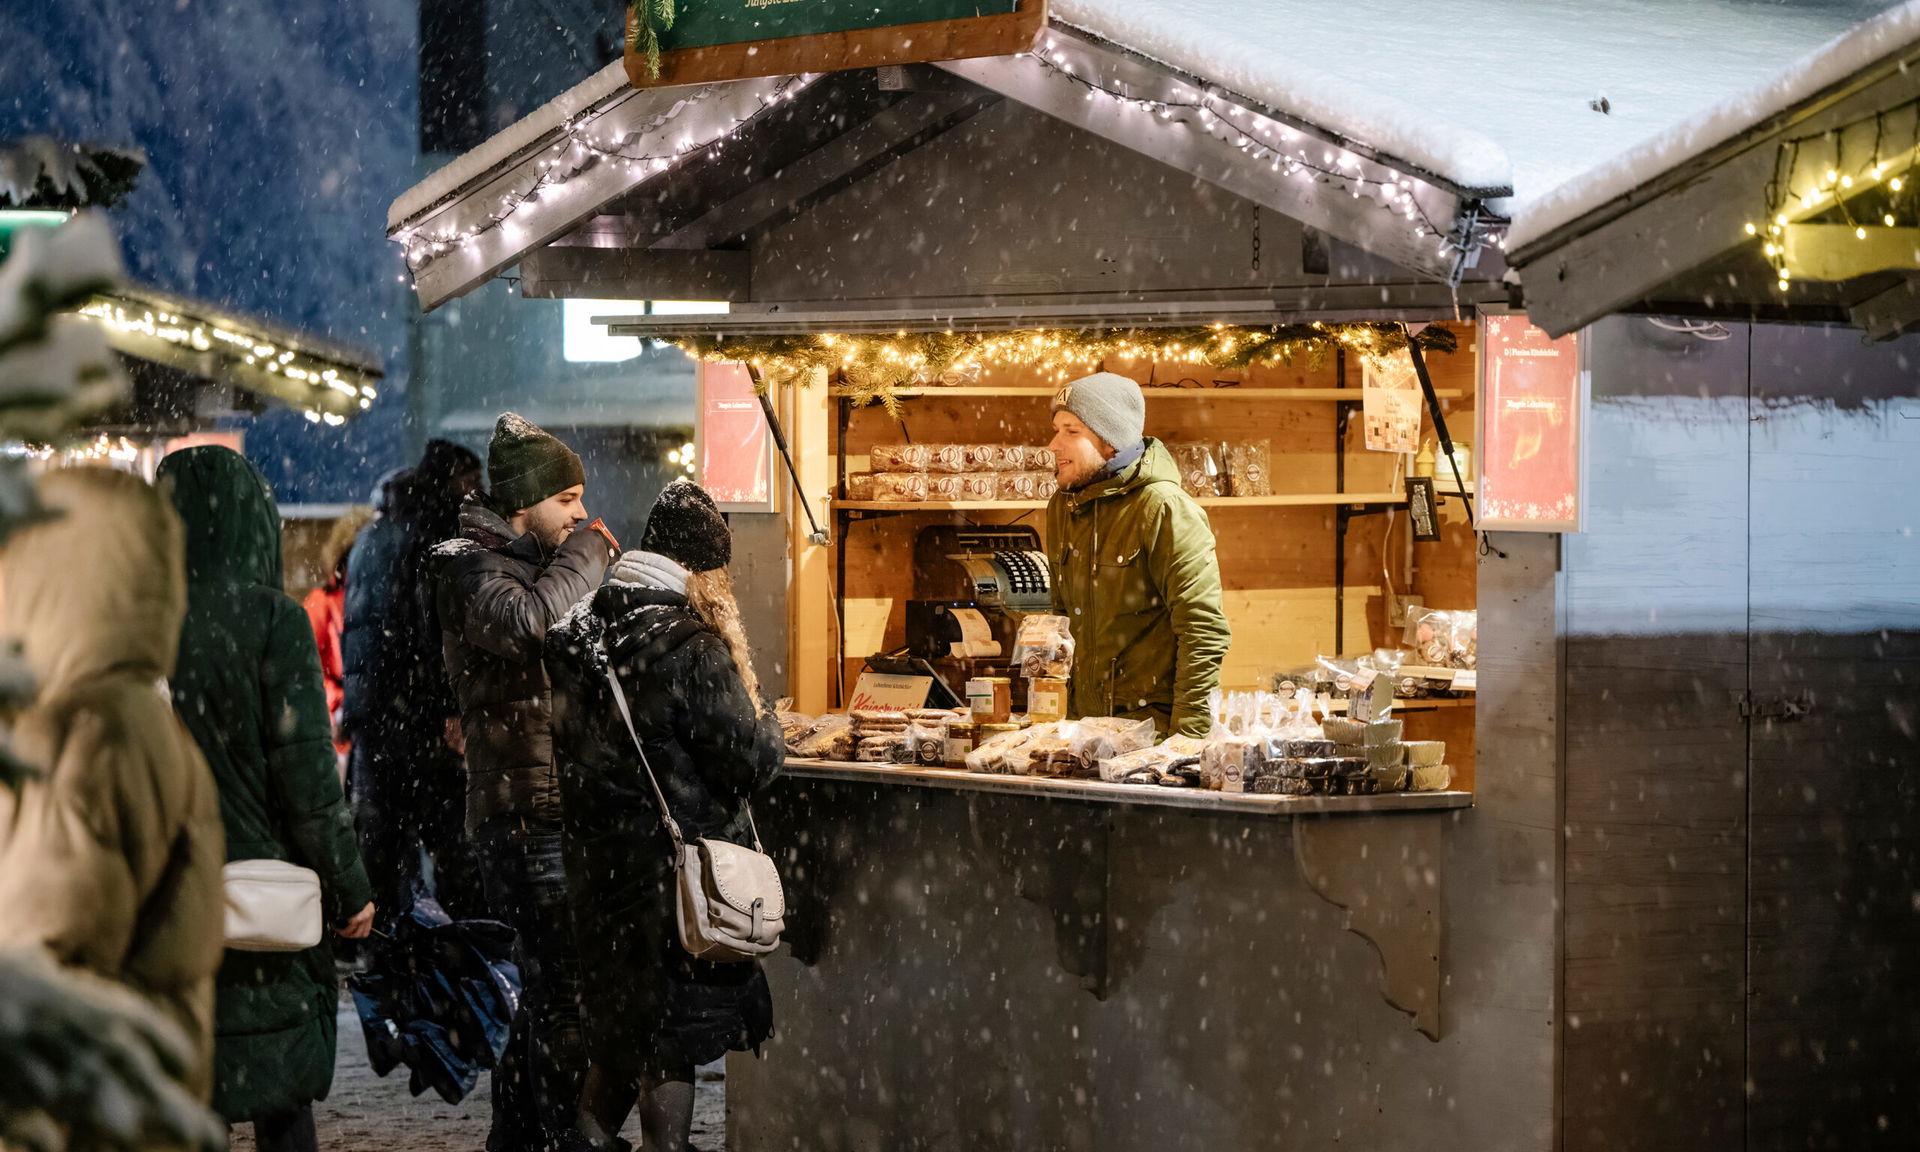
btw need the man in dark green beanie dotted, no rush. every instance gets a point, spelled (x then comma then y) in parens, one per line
(519, 565)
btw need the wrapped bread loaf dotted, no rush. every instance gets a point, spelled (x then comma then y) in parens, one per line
(899, 457)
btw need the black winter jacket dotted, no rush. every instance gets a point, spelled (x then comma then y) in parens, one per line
(648, 1005)
(496, 597)
(395, 674)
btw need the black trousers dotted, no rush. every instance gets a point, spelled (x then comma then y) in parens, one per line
(537, 1085)
(289, 1132)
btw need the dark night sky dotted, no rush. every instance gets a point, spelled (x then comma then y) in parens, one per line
(276, 133)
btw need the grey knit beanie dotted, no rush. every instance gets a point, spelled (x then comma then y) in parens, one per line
(1110, 405)
(526, 464)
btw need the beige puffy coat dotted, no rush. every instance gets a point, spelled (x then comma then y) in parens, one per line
(111, 858)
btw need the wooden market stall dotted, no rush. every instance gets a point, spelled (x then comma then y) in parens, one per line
(1612, 940)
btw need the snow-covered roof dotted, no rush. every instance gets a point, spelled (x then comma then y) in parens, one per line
(1831, 63)
(1485, 93)
(528, 131)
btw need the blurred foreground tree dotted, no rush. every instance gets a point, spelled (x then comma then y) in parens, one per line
(84, 1063)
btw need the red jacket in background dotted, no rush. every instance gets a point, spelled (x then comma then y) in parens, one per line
(327, 611)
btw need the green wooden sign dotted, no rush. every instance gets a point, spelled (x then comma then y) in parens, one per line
(706, 23)
(735, 39)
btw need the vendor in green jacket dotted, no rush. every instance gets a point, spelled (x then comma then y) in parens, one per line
(1133, 565)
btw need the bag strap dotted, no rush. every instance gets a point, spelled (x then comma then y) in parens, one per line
(659, 797)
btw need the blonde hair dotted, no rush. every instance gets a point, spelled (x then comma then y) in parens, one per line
(710, 595)
(340, 540)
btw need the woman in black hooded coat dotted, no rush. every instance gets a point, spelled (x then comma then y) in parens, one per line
(669, 623)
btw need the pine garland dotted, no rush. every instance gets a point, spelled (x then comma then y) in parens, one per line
(643, 34)
(874, 368)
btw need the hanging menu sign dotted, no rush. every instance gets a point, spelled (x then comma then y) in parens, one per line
(734, 447)
(736, 39)
(1532, 411)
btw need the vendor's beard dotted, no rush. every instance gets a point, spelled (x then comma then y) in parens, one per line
(710, 595)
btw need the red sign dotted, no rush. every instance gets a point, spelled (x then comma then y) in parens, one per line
(735, 448)
(1531, 413)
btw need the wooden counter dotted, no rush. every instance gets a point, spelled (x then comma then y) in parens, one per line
(1101, 792)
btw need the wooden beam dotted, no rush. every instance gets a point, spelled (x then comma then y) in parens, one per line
(1216, 158)
(845, 159)
(552, 273)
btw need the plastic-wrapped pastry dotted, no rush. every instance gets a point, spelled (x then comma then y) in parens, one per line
(1248, 468)
(946, 457)
(980, 486)
(899, 457)
(1199, 470)
(995, 457)
(860, 486)
(1036, 459)
(1423, 753)
(1432, 778)
(1022, 485)
(900, 487)
(946, 486)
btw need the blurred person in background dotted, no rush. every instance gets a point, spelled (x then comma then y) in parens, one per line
(326, 613)
(407, 782)
(110, 854)
(248, 687)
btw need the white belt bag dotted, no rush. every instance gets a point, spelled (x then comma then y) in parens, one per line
(272, 906)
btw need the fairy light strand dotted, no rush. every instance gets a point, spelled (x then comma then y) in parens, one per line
(235, 344)
(1204, 115)
(560, 166)
(1835, 184)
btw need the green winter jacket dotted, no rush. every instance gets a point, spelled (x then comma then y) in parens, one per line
(247, 684)
(1135, 575)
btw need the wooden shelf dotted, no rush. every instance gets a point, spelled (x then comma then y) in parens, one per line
(1287, 500)
(937, 505)
(1320, 394)
(1298, 499)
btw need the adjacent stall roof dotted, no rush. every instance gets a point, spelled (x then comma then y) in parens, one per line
(1691, 136)
(1665, 225)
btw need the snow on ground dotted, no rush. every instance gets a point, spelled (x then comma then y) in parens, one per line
(1482, 92)
(368, 1114)
(1829, 64)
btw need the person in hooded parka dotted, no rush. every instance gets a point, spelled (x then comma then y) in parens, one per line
(669, 624)
(110, 854)
(248, 687)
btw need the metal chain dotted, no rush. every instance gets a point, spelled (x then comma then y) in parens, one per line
(1256, 238)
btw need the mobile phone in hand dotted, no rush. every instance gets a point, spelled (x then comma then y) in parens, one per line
(600, 526)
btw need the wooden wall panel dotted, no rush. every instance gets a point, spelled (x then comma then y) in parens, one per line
(1834, 1010)
(1655, 755)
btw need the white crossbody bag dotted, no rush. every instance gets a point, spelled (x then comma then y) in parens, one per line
(727, 899)
(272, 906)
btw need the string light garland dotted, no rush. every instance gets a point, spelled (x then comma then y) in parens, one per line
(1286, 150)
(581, 149)
(875, 368)
(1874, 196)
(239, 346)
